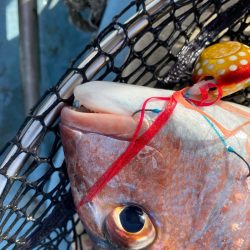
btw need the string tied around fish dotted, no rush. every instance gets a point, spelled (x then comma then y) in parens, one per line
(202, 93)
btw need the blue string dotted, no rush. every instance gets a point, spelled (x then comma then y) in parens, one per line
(217, 132)
(229, 148)
(187, 95)
(156, 111)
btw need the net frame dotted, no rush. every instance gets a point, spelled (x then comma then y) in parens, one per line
(34, 157)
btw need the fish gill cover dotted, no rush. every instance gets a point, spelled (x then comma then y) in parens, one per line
(157, 47)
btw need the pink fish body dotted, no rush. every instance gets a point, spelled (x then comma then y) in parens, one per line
(183, 190)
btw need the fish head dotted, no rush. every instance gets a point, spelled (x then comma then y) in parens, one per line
(183, 190)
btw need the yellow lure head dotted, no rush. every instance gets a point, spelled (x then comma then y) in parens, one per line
(228, 63)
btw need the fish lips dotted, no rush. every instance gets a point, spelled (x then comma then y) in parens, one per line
(114, 125)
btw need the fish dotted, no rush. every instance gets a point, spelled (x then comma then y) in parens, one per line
(184, 190)
(158, 169)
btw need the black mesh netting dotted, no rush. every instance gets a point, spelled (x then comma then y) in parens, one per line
(156, 47)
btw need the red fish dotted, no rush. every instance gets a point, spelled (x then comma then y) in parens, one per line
(183, 190)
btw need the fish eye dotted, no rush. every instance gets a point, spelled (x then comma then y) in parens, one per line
(129, 227)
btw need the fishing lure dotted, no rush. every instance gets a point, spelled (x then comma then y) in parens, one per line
(226, 65)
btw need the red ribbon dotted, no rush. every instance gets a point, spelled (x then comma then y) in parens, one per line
(135, 146)
(204, 95)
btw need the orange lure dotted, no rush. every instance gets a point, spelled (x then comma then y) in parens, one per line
(228, 63)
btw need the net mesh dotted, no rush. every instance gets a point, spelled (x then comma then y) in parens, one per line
(156, 47)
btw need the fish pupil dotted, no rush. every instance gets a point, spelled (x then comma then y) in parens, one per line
(132, 219)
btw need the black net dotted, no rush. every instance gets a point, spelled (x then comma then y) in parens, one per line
(156, 47)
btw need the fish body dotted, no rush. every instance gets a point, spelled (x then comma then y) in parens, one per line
(184, 187)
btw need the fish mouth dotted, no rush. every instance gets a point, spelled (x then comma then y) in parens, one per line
(101, 123)
(109, 108)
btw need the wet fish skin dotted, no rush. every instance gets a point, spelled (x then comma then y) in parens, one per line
(195, 192)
